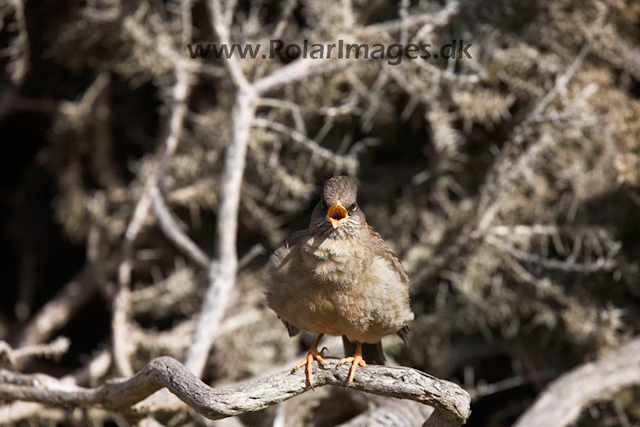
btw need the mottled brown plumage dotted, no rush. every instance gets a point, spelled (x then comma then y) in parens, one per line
(338, 277)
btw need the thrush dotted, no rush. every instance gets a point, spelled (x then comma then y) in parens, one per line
(338, 277)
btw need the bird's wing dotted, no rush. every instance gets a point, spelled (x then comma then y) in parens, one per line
(289, 244)
(296, 237)
(404, 333)
(381, 249)
(293, 331)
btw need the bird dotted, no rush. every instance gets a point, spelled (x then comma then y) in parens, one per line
(338, 277)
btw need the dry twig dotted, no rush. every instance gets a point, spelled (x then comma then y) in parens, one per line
(17, 356)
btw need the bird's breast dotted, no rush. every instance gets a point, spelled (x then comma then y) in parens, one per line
(339, 261)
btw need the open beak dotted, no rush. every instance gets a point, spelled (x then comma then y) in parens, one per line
(336, 214)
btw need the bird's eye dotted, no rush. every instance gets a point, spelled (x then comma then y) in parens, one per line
(353, 207)
(323, 205)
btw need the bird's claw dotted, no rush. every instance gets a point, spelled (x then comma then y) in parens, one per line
(312, 355)
(356, 361)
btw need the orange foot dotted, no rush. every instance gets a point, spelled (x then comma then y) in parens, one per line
(312, 355)
(356, 360)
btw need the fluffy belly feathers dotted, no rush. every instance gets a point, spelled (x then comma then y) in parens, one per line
(327, 296)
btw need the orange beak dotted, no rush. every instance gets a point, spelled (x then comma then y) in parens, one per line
(336, 214)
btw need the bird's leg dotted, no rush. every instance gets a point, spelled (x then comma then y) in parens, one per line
(356, 360)
(312, 355)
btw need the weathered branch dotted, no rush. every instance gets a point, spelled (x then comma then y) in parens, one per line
(121, 395)
(565, 398)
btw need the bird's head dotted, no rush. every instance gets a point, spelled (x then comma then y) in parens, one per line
(338, 207)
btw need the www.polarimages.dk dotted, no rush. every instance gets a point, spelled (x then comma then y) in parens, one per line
(393, 53)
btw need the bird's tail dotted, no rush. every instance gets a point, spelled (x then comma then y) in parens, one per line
(371, 353)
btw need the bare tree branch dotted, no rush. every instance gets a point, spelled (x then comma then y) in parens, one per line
(57, 311)
(122, 348)
(222, 29)
(121, 395)
(508, 167)
(149, 422)
(173, 231)
(306, 67)
(391, 412)
(222, 272)
(347, 162)
(95, 369)
(54, 350)
(565, 398)
(434, 20)
(20, 50)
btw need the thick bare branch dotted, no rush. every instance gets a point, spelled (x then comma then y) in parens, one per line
(121, 395)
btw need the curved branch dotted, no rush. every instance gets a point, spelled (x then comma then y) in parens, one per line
(561, 403)
(451, 401)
